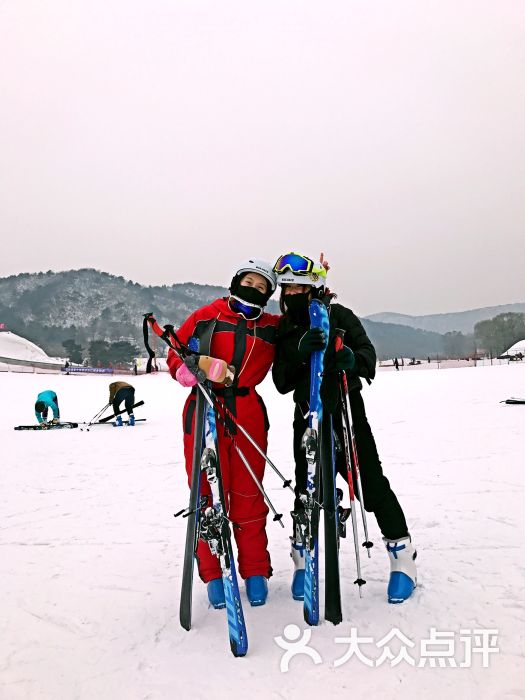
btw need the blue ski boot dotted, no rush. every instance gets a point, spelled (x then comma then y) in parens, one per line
(131, 421)
(256, 590)
(216, 593)
(403, 574)
(118, 421)
(297, 554)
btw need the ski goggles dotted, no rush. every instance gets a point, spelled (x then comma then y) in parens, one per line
(295, 263)
(250, 312)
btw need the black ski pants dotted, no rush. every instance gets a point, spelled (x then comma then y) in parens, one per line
(126, 394)
(379, 498)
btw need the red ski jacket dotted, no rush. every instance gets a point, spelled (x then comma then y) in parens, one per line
(248, 345)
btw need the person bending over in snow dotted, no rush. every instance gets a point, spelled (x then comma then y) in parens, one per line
(301, 280)
(44, 401)
(119, 392)
(236, 329)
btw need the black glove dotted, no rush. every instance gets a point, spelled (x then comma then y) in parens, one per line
(314, 339)
(345, 359)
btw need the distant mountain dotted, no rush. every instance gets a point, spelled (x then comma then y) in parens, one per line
(463, 321)
(85, 305)
(391, 340)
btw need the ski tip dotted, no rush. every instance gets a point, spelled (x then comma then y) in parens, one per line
(336, 620)
(238, 649)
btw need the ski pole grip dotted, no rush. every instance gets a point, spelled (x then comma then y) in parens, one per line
(339, 335)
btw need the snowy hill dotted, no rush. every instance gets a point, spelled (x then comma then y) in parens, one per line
(18, 353)
(463, 321)
(92, 557)
(85, 305)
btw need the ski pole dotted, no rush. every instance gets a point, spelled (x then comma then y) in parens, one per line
(277, 516)
(287, 483)
(165, 336)
(216, 405)
(97, 415)
(350, 428)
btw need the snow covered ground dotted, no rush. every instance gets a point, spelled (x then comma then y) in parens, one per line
(91, 556)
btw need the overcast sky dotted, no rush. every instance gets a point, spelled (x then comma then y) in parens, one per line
(168, 140)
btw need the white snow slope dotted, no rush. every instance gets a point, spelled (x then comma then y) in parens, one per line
(91, 556)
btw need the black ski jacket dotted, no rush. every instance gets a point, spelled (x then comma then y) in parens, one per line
(292, 372)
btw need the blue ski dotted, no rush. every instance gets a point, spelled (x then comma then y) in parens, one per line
(215, 523)
(318, 319)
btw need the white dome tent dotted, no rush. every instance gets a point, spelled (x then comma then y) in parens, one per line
(517, 349)
(18, 354)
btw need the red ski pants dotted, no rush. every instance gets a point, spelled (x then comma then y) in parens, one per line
(244, 501)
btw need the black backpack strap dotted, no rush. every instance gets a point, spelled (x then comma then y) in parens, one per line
(151, 353)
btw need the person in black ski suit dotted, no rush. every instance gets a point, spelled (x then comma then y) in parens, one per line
(301, 280)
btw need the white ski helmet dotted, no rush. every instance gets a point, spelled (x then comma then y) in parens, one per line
(261, 267)
(296, 268)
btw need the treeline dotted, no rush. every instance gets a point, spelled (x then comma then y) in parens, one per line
(101, 353)
(500, 333)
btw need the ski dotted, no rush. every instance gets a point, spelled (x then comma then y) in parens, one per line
(47, 426)
(192, 513)
(332, 585)
(215, 530)
(126, 422)
(114, 415)
(311, 443)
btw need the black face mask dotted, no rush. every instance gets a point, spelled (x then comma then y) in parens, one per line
(251, 295)
(297, 306)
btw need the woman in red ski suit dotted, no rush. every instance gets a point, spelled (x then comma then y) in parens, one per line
(235, 329)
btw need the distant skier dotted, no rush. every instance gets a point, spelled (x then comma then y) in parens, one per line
(302, 280)
(236, 329)
(44, 401)
(119, 392)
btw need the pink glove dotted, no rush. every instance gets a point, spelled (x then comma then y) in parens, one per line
(185, 376)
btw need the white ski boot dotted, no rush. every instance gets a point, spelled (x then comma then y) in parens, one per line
(403, 573)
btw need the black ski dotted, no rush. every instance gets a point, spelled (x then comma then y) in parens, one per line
(192, 513)
(47, 426)
(114, 415)
(332, 588)
(126, 422)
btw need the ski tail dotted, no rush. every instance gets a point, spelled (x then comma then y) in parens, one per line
(234, 613)
(220, 544)
(311, 585)
(333, 608)
(192, 514)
